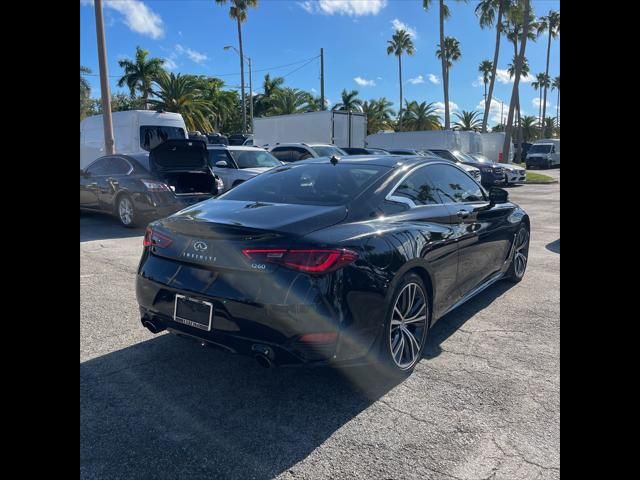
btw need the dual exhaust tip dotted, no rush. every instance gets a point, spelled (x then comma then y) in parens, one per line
(263, 354)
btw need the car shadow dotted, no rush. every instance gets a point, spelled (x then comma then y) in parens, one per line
(100, 226)
(450, 323)
(168, 408)
(553, 246)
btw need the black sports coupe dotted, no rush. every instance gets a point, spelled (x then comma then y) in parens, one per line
(331, 260)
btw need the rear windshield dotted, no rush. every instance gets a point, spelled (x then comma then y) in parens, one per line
(446, 154)
(541, 148)
(310, 184)
(328, 151)
(254, 159)
(151, 136)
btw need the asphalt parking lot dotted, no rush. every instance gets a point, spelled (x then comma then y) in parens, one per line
(484, 403)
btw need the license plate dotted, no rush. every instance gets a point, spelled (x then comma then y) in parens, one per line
(193, 312)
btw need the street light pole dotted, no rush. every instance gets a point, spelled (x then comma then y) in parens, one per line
(244, 108)
(104, 82)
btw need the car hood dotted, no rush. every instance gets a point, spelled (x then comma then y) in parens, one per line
(468, 168)
(256, 170)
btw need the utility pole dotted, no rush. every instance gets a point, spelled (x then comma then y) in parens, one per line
(104, 82)
(322, 79)
(250, 94)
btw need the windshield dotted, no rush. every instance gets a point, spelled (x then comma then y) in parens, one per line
(463, 157)
(151, 136)
(446, 154)
(328, 151)
(254, 159)
(308, 184)
(540, 148)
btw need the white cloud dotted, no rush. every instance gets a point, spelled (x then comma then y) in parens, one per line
(363, 82)
(354, 8)
(494, 111)
(416, 80)
(536, 103)
(169, 64)
(196, 57)
(398, 25)
(439, 109)
(502, 76)
(313, 90)
(433, 78)
(137, 16)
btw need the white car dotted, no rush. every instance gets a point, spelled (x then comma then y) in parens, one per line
(512, 173)
(237, 164)
(292, 152)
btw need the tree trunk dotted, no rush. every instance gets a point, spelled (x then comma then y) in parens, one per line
(444, 68)
(546, 73)
(400, 75)
(244, 105)
(487, 101)
(540, 117)
(516, 83)
(558, 111)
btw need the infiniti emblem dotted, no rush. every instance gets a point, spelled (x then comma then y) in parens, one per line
(199, 246)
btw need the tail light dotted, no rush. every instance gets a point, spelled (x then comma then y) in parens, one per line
(155, 239)
(500, 157)
(155, 186)
(310, 261)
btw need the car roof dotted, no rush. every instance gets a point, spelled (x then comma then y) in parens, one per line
(234, 147)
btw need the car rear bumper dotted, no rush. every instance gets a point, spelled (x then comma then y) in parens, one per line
(242, 322)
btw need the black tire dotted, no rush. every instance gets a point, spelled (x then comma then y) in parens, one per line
(130, 220)
(517, 270)
(419, 328)
(548, 164)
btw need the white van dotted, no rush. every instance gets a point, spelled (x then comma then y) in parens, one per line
(421, 140)
(544, 153)
(492, 145)
(134, 131)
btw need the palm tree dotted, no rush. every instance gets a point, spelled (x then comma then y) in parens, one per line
(84, 85)
(379, 114)
(290, 100)
(140, 74)
(238, 12)
(451, 54)
(485, 68)
(541, 82)
(549, 23)
(400, 43)
(487, 11)
(183, 95)
(524, 72)
(529, 127)
(550, 127)
(221, 104)
(519, 61)
(498, 128)
(421, 116)
(556, 85)
(263, 101)
(350, 102)
(468, 121)
(85, 93)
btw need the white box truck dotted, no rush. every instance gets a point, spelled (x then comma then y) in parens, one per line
(492, 145)
(342, 129)
(421, 140)
(544, 153)
(134, 131)
(471, 141)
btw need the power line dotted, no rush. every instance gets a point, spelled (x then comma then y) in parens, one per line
(301, 66)
(308, 60)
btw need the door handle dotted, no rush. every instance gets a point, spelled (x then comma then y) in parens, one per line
(463, 213)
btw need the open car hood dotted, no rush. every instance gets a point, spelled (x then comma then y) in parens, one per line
(179, 155)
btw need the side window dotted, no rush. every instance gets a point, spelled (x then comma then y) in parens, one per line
(218, 155)
(300, 154)
(417, 188)
(118, 166)
(283, 154)
(453, 186)
(99, 167)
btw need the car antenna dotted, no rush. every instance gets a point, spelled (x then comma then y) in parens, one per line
(334, 160)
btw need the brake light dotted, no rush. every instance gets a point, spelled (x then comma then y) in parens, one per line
(310, 261)
(500, 157)
(154, 186)
(155, 239)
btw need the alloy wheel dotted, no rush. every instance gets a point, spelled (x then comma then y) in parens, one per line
(521, 252)
(125, 211)
(408, 326)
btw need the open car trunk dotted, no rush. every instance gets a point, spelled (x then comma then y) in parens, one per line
(183, 165)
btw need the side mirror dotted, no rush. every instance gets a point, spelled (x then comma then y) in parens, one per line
(221, 164)
(498, 195)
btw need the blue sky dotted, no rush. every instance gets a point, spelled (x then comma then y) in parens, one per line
(191, 35)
